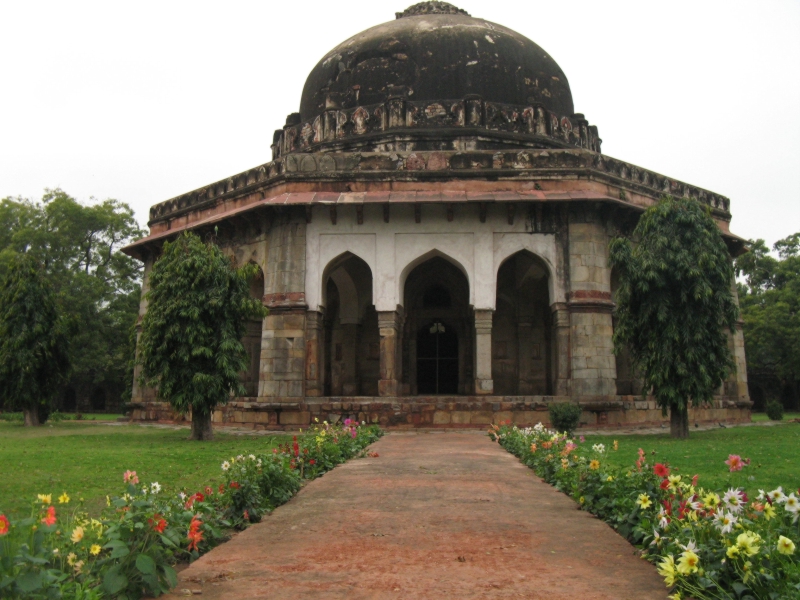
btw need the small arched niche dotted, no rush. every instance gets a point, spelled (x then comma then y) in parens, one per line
(351, 360)
(521, 327)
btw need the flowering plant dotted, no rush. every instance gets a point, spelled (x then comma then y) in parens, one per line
(705, 543)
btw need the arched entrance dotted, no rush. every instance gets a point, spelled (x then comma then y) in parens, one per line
(438, 330)
(351, 362)
(521, 328)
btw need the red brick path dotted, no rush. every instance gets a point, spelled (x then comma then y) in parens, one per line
(436, 515)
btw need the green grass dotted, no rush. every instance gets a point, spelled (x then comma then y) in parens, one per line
(761, 417)
(773, 452)
(88, 460)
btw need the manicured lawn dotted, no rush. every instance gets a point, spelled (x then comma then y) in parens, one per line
(88, 460)
(774, 453)
(760, 417)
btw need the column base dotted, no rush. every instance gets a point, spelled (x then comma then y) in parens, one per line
(484, 387)
(388, 387)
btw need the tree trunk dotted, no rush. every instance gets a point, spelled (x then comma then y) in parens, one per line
(31, 416)
(679, 422)
(201, 427)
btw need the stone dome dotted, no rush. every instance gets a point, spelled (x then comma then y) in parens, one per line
(434, 51)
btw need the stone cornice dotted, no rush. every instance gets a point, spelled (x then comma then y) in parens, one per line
(531, 164)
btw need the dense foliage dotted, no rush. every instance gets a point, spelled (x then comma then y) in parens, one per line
(707, 544)
(130, 551)
(769, 296)
(190, 347)
(564, 416)
(675, 305)
(34, 353)
(98, 286)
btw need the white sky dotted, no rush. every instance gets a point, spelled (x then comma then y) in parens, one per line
(144, 101)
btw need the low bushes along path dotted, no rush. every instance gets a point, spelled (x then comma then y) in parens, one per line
(435, 515)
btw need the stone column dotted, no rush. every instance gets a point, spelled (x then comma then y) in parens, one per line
(390, 328)
(738, 379)
(315, 353)
(560, 352)
(484, 385)
(593, 365)
(141, 393)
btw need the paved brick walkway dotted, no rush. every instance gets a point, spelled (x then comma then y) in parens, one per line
(437, 515)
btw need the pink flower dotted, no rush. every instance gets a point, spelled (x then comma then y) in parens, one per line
(734, 462)
(583, 439)
(50, 519)
(130, 476)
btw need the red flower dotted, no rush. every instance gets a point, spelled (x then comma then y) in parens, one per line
(312, 462)
(198, 497)
(195, 535)
(235, 485)
(694, 480)
(4, 525)
(50, 519)
(246, 515)
(221, 489)
(664, 484)
(157, 523)
(295, 446)
(667, 506)
(661, 470)
(209, 491)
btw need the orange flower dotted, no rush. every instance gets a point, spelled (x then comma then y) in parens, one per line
(50, 519)
(3, 525)
(157, 523)
(195, 535)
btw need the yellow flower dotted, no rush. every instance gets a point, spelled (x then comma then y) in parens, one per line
(71, 558)
(711, 500)
(77, 534)
(769, 512)
(45, 498)
(785, 546)
(687, 563)
(666, 568)
(594, 464)
(644, 501)
(63, 498)
(78, 566)
(674, 480)
(108, 500)
(582, 500)
(616, 445)
(609, 478)
(733, 552)
(675, 596)
(95, 549)
(749, 542)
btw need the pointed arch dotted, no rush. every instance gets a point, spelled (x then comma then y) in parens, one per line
(424, 257)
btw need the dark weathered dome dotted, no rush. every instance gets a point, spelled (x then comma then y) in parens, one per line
(434, 51)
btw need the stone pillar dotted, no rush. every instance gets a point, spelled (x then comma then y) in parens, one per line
(593, 365)
(390, 328)
(738, 379)
(141, 393)
(484, 385)
(560, 352)
(315, 354)
(349, 345)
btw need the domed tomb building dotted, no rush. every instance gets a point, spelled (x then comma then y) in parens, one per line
(432, 233)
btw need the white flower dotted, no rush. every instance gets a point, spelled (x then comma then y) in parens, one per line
(663, 520)
(792, 503)
(734, 500)
(761, 494)
(599, 448)
(777, 495)
(182, 496)
(226, 465)
(144, 490)
(724, 521)
(240, 457)
(155, 487)
(251, 456)
(690, 547)
(55, 550)
(258, 462)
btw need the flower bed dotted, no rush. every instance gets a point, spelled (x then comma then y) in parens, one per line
(706, 544)
(59, 551)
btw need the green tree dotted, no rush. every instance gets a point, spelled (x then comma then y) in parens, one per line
(34, 353)
(674, 302)
(98, 286)
(770, 299)
(190, 347)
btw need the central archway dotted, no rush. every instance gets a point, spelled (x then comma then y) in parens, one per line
(438, 330)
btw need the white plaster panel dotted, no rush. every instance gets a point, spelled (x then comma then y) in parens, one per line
(542, 245)
(412, 249)
(322, 248)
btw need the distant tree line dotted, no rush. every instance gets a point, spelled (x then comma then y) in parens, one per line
(769, 296)
(73, 249)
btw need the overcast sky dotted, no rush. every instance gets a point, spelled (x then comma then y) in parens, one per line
(144, 101)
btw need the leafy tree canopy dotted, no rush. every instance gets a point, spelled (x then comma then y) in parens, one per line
(674, 303)
(34, 348)
(190, 347)
(98, 286)
(769, 294)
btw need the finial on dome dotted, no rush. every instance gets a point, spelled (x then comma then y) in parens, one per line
(431, 8)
